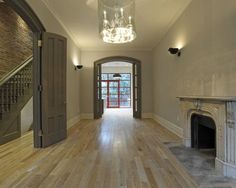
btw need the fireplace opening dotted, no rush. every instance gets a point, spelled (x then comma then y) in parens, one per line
(203, 132)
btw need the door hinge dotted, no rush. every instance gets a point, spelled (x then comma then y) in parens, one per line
(40, 88)
(40, 43)
(40, 133)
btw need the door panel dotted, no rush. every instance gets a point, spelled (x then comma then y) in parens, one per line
(54, 128)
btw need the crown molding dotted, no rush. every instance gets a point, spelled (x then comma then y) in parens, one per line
(70, 33)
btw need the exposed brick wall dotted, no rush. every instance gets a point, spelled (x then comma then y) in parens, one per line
(15, 40)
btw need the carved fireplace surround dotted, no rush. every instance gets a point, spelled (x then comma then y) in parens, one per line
(223, 111)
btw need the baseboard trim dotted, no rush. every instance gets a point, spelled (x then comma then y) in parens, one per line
(73, 121)
(169, 125)
(86, 116)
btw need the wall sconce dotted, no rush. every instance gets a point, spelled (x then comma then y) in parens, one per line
(174, 51)
(78, 67)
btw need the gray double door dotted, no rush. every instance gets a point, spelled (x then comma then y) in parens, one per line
(53, 89)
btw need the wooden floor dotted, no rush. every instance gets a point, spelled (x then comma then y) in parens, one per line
(116, 151)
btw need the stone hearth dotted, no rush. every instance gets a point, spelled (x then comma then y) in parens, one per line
(223, 111)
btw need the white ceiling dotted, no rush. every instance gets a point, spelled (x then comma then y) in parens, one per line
(153, 19)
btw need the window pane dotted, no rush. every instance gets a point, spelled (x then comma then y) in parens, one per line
(104, 91)
(104, 76)
(104, 84)
(110, 76)
(124, 83)
(113, 97)
(124, 96)
(113, 91)
(125, 104)
(125, 91)
(113, 84)
(125, 76)
(104, 97)
(113, 104)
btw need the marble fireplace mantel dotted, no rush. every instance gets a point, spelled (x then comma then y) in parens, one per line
(223, 111)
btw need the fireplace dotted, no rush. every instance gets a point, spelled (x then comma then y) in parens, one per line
(203, 132)
(210, 123)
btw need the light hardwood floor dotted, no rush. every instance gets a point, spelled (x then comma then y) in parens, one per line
(116, 151)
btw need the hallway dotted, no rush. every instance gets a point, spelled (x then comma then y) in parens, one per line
(117, 151)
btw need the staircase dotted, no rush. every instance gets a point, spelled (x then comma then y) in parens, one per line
(15, 92)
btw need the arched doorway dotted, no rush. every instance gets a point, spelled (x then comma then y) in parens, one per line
(136, 80)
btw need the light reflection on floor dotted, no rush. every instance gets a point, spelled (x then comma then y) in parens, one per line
(112, 118)
(118, 112)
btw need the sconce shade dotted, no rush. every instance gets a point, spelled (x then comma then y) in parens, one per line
(78, 67)
(174, 51)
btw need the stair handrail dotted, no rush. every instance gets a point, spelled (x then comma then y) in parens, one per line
(15, 70)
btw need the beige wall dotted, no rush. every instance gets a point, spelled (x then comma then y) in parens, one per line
(88, 58)
(207, 31)
(73, 54)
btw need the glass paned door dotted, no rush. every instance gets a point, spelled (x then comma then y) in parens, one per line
(116, 93)
(113, 99)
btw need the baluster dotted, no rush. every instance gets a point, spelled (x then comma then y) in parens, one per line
(28, 77)
(14, 89)
(17, 85)
(31, 74)
(10, 86)
(6, 98)
(1, 102)
(22, 83)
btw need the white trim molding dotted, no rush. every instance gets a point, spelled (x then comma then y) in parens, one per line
(71, 122)
(169, 125)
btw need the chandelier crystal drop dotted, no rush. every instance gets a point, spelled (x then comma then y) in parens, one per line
(116, 20)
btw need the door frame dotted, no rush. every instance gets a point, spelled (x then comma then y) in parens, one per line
(134, 62)
(28, 15)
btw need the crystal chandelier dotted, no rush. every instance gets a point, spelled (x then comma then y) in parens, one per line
(116, 20)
